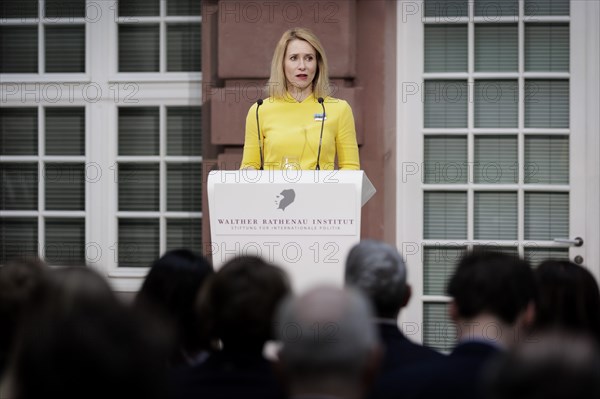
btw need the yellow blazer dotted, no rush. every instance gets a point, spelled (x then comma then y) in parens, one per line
(291, 128)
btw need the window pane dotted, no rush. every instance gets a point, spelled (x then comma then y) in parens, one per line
(65, 131)
(138, 187)
(65, 48)
(184, 131)
(65, 186)
(65, 242)
(138, 242)
(496, 48)
(183, 47)
(446, 103)
(496, 103)
(547, 159)
(18, 9)
(138, 131)
(496, 160)
(18, 49)
(139, 8)
(538, 8)
(547, 47)
(446, 9)
(547, 103)
(438, 330)
(184, 233)
(445, 159)
(19, 238)
(18, 186)
(445, 215)
(138, 48)
(184, 7)
(537, 255)
(65, 9)
(18, 131)
(495, 216)
(546, 216)
(496, 8)
(439, 264)
(446, 48)
(184, 187)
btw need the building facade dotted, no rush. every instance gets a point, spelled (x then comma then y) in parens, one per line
(477, 122)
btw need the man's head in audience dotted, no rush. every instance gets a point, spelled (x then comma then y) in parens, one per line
(378, 270)
(79, 341)
(492, 297)
(240, 301)
(329, 345)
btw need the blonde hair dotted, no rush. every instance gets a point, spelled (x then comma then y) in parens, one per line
(277, 86)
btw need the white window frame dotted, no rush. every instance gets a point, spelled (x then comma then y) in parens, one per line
(41, 160)
(584, 75)
(162, 20)
(41, 21)
(125, 274)
(139, 90)
(102, 90)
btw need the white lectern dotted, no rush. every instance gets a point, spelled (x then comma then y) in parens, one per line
(304, 221)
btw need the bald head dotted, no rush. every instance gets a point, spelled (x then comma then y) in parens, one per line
(378, 270)
(326, 334)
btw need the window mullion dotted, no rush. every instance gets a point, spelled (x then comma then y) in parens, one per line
(64, 214)
(93, 169)
(41, 182)
(162, 177)
(162, 42)
(470, 119)
(521, 138)
(41, 40)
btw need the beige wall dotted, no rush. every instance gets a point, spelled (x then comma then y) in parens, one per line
(238, 39)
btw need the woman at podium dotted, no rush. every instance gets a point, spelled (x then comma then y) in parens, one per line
(300, 126)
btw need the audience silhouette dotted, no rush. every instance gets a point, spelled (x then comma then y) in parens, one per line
(79, 341)
(169, 293)
(237, 308)
(330, 347)
(194, 333)
(568, 298)
(555, 365)
(378, 270)
(18, 280)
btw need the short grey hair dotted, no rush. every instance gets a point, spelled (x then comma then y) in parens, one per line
(326, 333)
(377, 269)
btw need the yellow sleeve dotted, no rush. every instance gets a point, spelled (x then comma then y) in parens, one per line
(345, 141)
(251, 157)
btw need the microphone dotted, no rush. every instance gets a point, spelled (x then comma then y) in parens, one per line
(321, 101)
(260, 148)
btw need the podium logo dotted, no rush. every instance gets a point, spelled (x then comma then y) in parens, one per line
(285, 199)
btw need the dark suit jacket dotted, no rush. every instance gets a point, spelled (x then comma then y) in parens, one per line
(461, 375)
(457, 375)
(227, 376)
(400, 352)
(400, 357)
